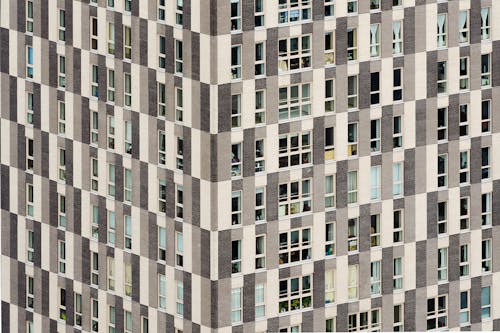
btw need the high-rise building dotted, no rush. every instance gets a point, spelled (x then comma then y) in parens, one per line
(249, 165)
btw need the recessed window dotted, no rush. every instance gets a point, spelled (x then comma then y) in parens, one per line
(375, 88)
(179, 7)
(295, 149)
(111, 38)
(62, 25)
(329, 286)
(295, 198)
(375, 135)
(463, 26)
(294, 101)
(485, 163)
(375, 182)
(162, 52)
(442, 170)
(260, 204)
(236, 305)
(464, 260)
(464, 213)
(236, 208)
(329, 48)
(236, 160)
(375, 37)
(397, 274)
(127, 42)
(29, 62)
(236, 62)
(375, 277)
(486, 116)
(352, 281)
(259, 13)
(486, 70)
(29, 16)
(485, 302)
(485, 23)
(352, 139)
(260, 161)
(352, 187)
(260, 107)
(398, 226)
(330, 239)
(260, 64)
(352, 234)
(442, 266)
(295, 293)
(329, 191)
(352, 92)
(290, 11)
(375, 230)
(365, 321)
(294, 53)
(464, 167)
(441, 77)
(329, 144)
(441, 30)
(437, 312)
(486, 209)
(352, 43)
(260, 252)
(94, 37)
(442, 214)
(464, 73)
(397, 38)
(295, 246)
(235, 15)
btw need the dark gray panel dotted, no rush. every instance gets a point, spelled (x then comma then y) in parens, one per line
(432, 200)
(420, 264)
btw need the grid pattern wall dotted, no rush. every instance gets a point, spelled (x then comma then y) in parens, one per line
(249, 165)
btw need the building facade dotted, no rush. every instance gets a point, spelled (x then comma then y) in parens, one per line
(249, 165)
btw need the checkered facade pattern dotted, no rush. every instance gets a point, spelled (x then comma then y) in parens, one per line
(249, 165)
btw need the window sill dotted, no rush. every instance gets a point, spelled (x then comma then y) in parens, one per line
(294, 71)
(290, 313)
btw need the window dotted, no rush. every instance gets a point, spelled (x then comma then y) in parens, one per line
(179, 12)
(486, 209)
(375, 88)
(111, 3)
(463, 26)
(398, 226)
(62, 25)
(485, 302)
(111, 227)
(374, 4)
(111, 180)
(464, 73)
(295, 293)
(236, 62)
(62, 304)
(62, 211)
(485, 23)
(464, 260)
(442, 170)
(128, 314)
(486, 255)
(329, 48)
(162, 102)
(486, 70)
(94, 127)
(128, 89)
(127, 42)
(127, 285)
(260, 301)
(352, 281)
(295, 246)
(162, 52)
(179, 249)
(112, 319)
(78, 310)
(397, 92)
(352, 43)
(94, 84)
(111, 85)
(260, 204)
(145, 325)
(330, 239)
(260, 65)
(375, 278)
(180, 155)
(128, 137)
(95, 222)
(260, 252)
(442, 217)
(464, 213)
(111, 273)
(365, 321)
(61, 77)
(352, 187)
(95, 315)
(329, 191)
(111, 38)
(295, 149)
(398, 325)
(294, 101)
(352, 92)
(236, 160)
(179, 104)
(397, 37)
(161, 10)
(329, 286)
(441, 77)
(397, 274)
(437, 312)
(236, 208)
(294, 198)
(464, 123)
(260, 107)
(179, 202)
(442, 264)
(180, 297)
(178, 57)
(352, 6)
(29, 16)
(464, 308)
(162, 243)
(259, 156)
(128, 231)
(294, 53)
(29, 62)
(352, 139)
(375, 230)
(259, 13)
(235, 15)
(397, 179)
(127, 185)
(111, 132)
(162, 196)
(441, 30)
(485, 163)
(94, 271)
(236, 305)
(30, 292)
(94, 37)
(329, 96)
(375, 182)
(464, 167)
(29, 154)
(94, 174)
(235, 111)
(397, 132)
(485, 116)
(290, 11)
(352, 234)
(30, 200)
(31, 246)
(329, 8)
(62, 165)
(30, 109)
(162, 292)
(329, 144)
(375, 37)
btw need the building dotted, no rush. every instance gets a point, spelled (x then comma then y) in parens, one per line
(249, 165)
